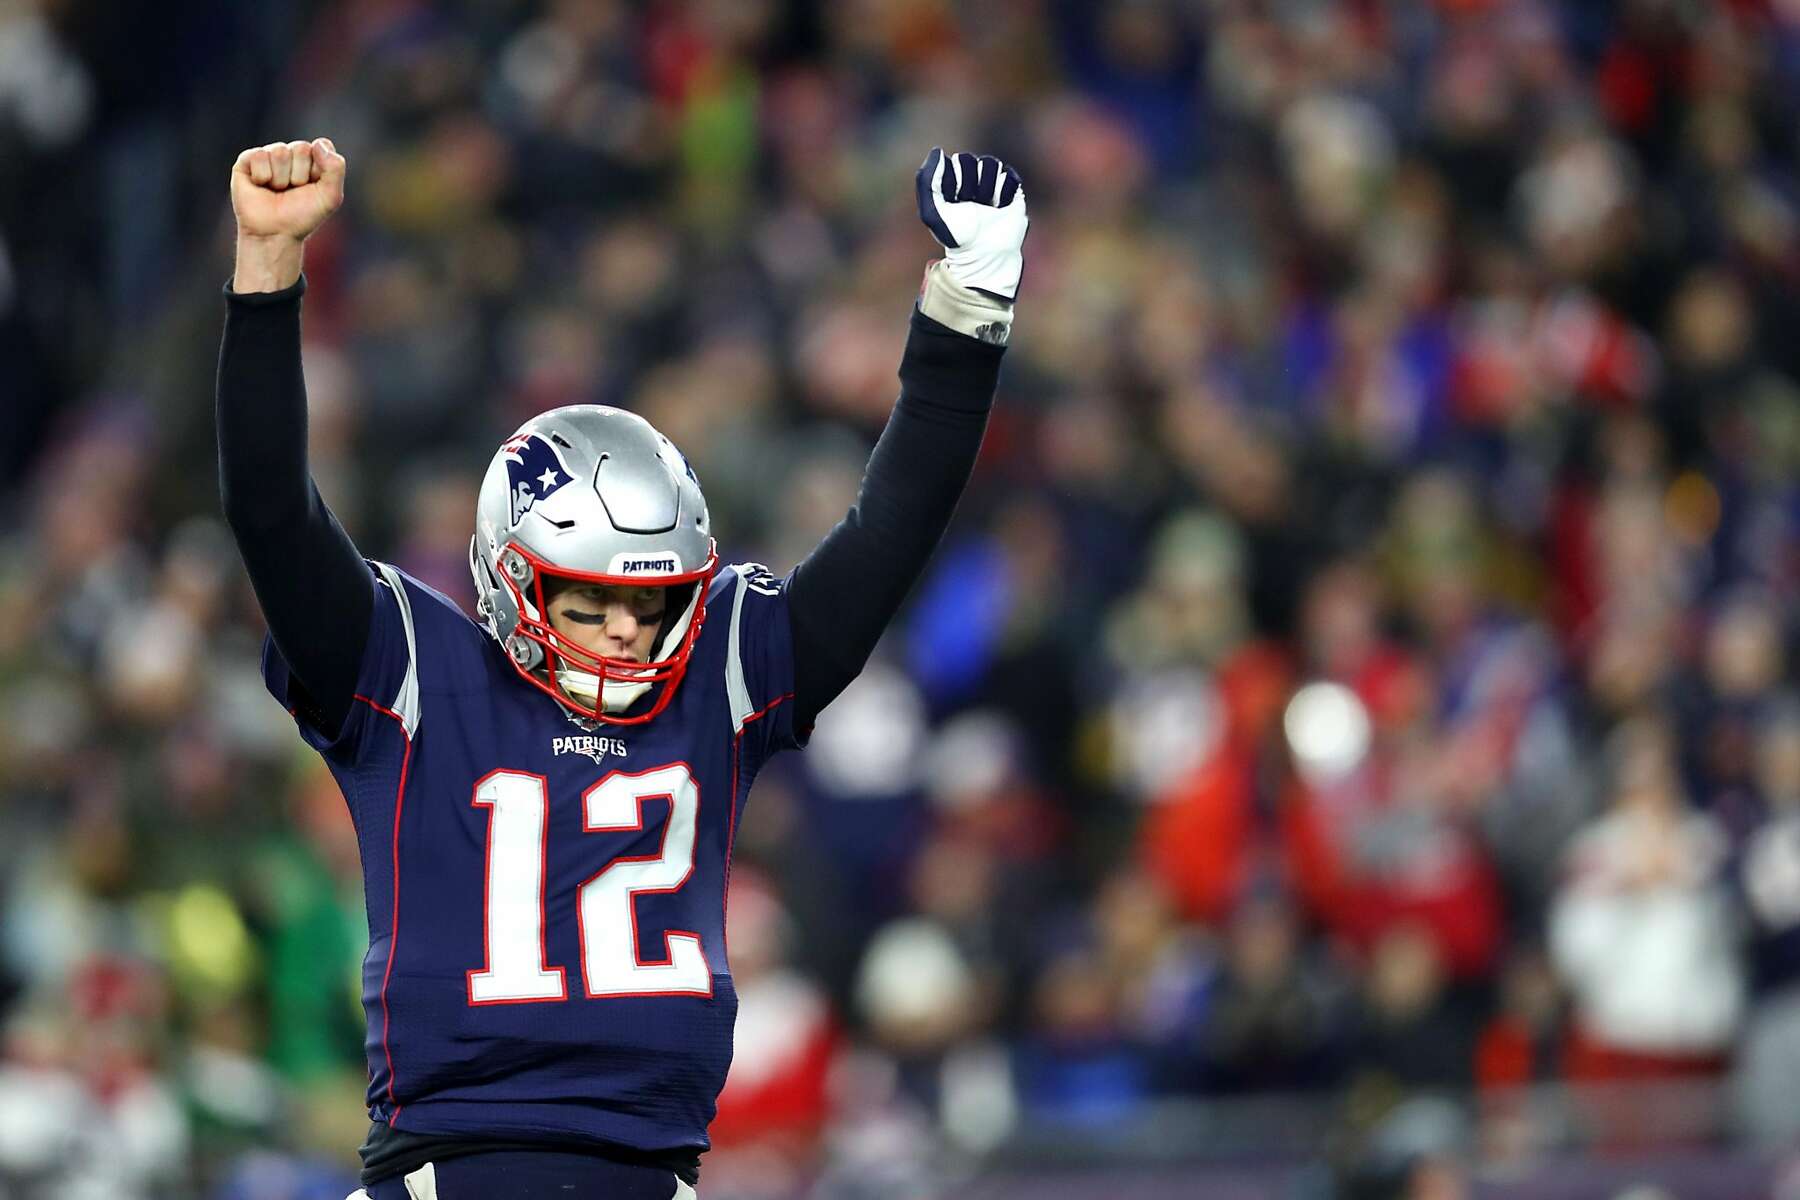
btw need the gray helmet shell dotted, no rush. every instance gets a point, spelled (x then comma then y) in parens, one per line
(587, 491)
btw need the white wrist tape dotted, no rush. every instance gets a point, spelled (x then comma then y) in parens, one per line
(965, 310)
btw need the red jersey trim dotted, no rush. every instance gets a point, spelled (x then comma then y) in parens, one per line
(394, 912)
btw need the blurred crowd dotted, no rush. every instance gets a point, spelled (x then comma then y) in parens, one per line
(1363, 666)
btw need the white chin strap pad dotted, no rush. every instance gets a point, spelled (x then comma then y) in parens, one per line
(583, 684)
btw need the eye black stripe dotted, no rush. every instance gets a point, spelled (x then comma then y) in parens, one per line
(588, 618)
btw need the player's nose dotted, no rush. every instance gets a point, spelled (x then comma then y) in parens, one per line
(621, 623)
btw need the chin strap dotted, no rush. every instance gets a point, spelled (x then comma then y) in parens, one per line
(615, 697)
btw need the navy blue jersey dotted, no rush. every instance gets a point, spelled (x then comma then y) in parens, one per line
(546, 895)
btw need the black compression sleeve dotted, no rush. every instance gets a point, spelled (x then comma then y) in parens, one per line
(315, 589)
(847, 590)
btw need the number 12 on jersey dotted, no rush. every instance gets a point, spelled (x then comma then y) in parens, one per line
(518, 804)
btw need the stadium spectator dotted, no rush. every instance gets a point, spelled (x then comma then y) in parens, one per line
(1642, 932)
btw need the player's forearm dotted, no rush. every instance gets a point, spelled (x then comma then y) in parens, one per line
(849, 588)
(267, 263)
(261, 409)
(312, 584)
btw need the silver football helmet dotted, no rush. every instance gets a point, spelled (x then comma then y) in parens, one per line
(596, 495)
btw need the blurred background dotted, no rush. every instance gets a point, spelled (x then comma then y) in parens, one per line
(1348, 744)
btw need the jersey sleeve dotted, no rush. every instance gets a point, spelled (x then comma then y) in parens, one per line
(759, 663)
(387, 682)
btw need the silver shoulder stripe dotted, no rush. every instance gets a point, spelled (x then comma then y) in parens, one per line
(406, 703)
(735, 688)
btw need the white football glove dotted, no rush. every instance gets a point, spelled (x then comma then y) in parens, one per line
(975, 207)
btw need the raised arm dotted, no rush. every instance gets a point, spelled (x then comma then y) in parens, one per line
(848, 589)
(315, 589)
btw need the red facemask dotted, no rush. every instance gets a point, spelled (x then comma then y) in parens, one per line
(561, 655)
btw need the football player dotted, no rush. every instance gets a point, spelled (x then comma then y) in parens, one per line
(545, 798)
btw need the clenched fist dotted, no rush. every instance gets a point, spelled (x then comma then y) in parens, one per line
(281, 193)
(975, 208)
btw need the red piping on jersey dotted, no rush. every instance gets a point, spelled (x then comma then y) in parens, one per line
(731, 821)
(394, 915)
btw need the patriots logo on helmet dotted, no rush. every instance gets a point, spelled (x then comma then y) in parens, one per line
(534, 471)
